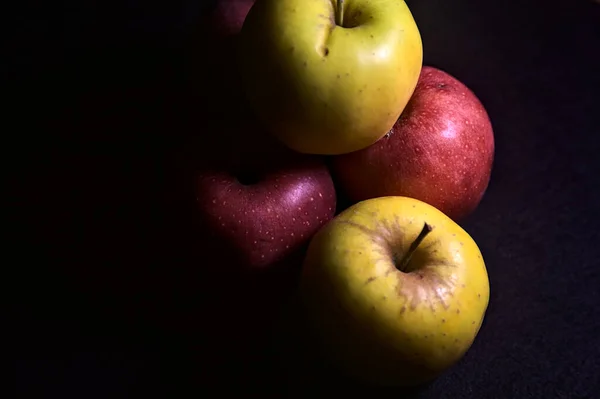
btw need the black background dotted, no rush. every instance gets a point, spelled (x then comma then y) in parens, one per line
(98, 97)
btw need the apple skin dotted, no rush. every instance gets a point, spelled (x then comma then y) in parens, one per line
(324, 88)
(440, 151)
(271, 218)
(382, 325)
(290, 195)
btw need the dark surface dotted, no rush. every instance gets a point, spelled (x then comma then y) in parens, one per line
(99, 180)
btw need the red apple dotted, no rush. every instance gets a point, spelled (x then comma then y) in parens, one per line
(212, 64)
(440, 151)
(258, 205)
(262, 200)
(228, 16)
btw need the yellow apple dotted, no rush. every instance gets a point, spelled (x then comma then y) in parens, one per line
(395, 290)
(330, 76)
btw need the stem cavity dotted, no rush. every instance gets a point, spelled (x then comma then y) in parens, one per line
(403, 264)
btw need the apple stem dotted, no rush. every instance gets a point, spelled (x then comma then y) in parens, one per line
(339, 14)
(403, 264)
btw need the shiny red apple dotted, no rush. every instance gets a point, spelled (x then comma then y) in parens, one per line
(440, 151)
(266, 210)
(257, 198)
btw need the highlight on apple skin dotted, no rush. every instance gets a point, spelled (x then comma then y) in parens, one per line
(265, 220)
(440, 150)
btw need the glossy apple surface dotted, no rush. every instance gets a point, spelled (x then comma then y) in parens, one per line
(440, 151)
(267, 213)
(260, 199)
(329, 77)
(395, 290)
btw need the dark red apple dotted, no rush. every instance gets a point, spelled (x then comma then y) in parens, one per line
(258, 205)
(440, 151)
(211, 58)
(260, 199)
(228, 16)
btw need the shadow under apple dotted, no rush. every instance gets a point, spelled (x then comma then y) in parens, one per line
(295, 352)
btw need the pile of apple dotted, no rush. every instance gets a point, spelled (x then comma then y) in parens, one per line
(334, 102)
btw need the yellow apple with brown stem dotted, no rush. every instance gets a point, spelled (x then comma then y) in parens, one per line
(395, 290)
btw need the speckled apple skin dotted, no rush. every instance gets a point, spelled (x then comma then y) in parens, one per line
(263, 222)
(440, 151)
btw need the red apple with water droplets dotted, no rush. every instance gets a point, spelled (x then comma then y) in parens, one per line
(440, 151)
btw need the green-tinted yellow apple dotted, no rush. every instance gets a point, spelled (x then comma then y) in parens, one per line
(395, 289)
(330, 76)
